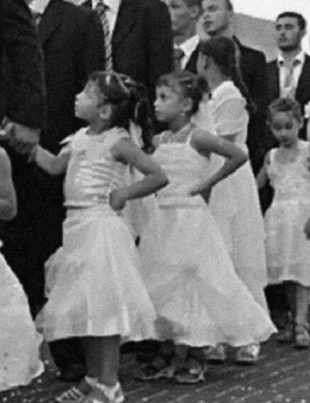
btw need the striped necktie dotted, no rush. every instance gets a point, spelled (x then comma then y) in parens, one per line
(101, 10)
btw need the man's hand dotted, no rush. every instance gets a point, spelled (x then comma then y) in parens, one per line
(22, 138)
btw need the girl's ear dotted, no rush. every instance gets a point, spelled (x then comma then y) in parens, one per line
(105, 112)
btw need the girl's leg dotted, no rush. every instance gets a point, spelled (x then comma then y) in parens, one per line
(109, 355)
(301, 319)
(188, 370)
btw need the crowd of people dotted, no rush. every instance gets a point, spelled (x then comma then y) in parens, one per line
(142, 143)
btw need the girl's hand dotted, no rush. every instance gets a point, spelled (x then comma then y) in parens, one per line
(118, 199)
(204, 192)
(307, 228)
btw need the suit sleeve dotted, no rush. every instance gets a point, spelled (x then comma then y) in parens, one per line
(92, 50)
(26, 98)
(159, 41)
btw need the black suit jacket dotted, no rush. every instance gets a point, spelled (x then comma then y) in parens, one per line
(253, 71)
(23, 100)
(142, 43)
(302, 91)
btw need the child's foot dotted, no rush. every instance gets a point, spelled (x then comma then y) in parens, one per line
(77, 394)
(247, 354)
(104, 394)
(302, 338)
(193, 372)
(157, 369)
(216, 354)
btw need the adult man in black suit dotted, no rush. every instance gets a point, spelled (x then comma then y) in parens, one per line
(20, 64)
(142, 45)
(70, 38)
(184, 16)
(218, 21)
(288, 76)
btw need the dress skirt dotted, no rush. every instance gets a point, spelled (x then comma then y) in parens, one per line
(287, 248)
(198, 298)
(93, 283)
(19, 341)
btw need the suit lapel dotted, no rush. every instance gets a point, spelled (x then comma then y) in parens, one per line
(302, 91)
(127, 17)
(50, 20)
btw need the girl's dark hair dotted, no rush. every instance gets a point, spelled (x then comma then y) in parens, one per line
(223, 51)
(140, 111)
(113, 91)
(186, 84)
(285, 105)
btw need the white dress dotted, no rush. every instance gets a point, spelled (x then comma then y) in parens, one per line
(19, 341)
(234, 202)
(288, 250)
(93, 284)
(198, 298)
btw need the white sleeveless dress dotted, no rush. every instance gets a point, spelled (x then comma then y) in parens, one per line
(235, 202)
(93, 284)
(288, 250)
(19, 341)
(198, 298)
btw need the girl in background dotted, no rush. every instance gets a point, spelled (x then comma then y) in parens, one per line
(234, 202)
(288, 250)
(198, 298)
(95, 291)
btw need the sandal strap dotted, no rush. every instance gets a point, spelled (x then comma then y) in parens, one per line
(71, 395)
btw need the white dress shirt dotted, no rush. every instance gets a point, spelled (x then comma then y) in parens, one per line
(39, 6)
(295, 66)
(188, 48)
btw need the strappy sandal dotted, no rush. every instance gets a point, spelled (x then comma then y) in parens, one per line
(157, 369)
(302, 338)
(247, 354)
(102, 394)
(77, 394)
(192, 373)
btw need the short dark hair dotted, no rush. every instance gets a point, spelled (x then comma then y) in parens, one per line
(291, 14)
(286, 105)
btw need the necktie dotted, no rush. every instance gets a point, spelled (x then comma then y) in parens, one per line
(101, 10)
(178, 55)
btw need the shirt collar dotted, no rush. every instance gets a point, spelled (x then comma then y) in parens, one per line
(111, 4)
(39, 6)
(189, 45)
(300, 58)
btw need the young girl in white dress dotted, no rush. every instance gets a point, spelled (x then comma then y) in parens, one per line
(199, 300)
(95, 290)
(288, 250)
(234, 202)
(19, 341)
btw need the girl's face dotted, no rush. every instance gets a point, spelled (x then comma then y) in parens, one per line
(169, 105)
(285, 127)
(86, 103)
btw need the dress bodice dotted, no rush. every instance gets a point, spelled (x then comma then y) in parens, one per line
(92, 171)
(291, 180)
(184, 167)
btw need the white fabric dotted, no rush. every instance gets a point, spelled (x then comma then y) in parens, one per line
(19, 341)
(188, 48)
(39, 6)
(288, 250)
(199, 300)
(234, 201)
(93, 284)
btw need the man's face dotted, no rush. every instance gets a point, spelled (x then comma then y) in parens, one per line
(288, 33)
(182, 16)
(216, 16)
